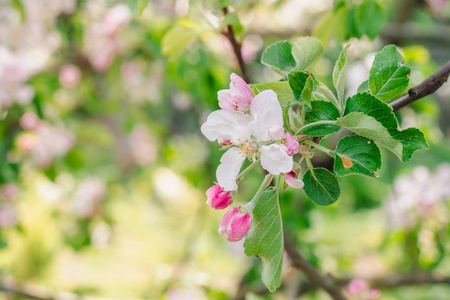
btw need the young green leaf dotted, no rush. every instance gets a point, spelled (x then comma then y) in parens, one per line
(369, 127)
(305, 50)
(321, 111)
(281, 88)
(302, 85)
(137, 7)
(339, 73)
(411, 139)
(356, 155)
(279, 58)
(389, 75)
(321, 186)
(373, 107)
(179, 36)
(363, 87)
(370, 17)
(265, 237)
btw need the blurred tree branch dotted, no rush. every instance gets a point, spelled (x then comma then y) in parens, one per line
(229, 33)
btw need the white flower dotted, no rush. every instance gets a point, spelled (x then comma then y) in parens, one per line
(247, 132)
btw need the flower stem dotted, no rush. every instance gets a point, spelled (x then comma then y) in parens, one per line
(319, 147)
(243, 173)
(251, 205)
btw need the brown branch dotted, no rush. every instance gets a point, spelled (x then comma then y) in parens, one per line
(229, 33)
(427, 87)
(298, 261)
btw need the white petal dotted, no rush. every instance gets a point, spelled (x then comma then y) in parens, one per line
(266, 112)
(275, 159)
(293, 182)
(227, 124)
(230, 165)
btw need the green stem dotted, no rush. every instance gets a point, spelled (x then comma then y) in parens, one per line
(319, 147)
(310, 167)
(314, 124)
(251, 205)
(243, 173)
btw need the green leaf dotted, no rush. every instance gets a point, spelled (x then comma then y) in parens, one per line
(305, 50)
(321, 186)
(137, 7)
(265, 237)
(370, 17)
(179, 36)
(389, 75)
(339, 73)
(232, 19)
(323, 93)
(281, 88)
(279, 58)
(356, 155)
(363, 87)
(18, 6)
(369, 127)
(298, 81)
(411, 139)
(373, 107)
(321, 111)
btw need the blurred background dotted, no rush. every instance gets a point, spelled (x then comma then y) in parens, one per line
(103, 169)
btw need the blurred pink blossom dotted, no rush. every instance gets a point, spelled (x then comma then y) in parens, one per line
(87, 197)
(8, 215)
(417, 196)
(101, 42)
(9, 191)
(142, 145)
(69, 76)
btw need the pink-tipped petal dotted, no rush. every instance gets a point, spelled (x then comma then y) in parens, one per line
(292, 145)
(293, 182)
(225, 224)
(240, 225)
(217, 198)
(275, 159)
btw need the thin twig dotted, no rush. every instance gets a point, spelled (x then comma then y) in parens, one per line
(427, 87)
(229, 33)
(298, 261)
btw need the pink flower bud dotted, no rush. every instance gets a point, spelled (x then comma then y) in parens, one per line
(238, 97)
(69, 76)
(235, 224)
(356, 286)
(276, 132)
(292, 181)
(218, 198)
(292, 145)
(224, 142)
(29, 121)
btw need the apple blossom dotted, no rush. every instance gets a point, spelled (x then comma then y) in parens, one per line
(238, 97)
(249, 134)
(235, 224)
(217, 198)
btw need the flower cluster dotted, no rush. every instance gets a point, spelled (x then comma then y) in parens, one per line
(421, 195)
(360, 290)
(250, 127)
